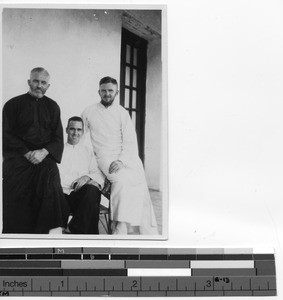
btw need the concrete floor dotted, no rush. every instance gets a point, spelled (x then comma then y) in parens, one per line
(156, 198)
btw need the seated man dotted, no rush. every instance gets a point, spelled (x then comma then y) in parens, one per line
(33, 201)
(81, 181)
(114, 142)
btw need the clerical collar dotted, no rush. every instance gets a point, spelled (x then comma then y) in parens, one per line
(73, 146)
(35, 98)
(111, 105)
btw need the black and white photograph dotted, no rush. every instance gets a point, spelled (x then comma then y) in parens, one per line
(147, 135)
(84, 122)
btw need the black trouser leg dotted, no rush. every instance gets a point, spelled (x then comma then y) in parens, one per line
(84, 205)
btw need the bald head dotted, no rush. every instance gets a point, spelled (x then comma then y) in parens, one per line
(40, 70)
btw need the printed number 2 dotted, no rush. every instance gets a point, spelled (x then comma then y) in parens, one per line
(135, 284)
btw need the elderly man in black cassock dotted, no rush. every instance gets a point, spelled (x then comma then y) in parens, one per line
(33, 200)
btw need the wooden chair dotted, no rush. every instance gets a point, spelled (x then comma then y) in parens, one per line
(105, 212)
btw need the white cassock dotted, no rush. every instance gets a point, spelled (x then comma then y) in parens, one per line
(113, 137)
(77, 161)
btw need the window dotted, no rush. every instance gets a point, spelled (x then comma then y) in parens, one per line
(133, 82)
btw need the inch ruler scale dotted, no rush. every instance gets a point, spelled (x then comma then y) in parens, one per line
(134, 272)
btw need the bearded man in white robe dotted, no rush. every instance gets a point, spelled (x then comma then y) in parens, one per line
(114, 142)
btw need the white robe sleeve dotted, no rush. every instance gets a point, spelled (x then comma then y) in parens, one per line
(66, 176)
(94, 172)
(66, 179)
(129, 152)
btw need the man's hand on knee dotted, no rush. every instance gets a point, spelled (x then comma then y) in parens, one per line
(93, 182)
(116, 166)
(80, 182)
(37, 156)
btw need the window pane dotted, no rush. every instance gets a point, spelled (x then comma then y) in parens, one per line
(134, 78)
(127, 81)
(135, 56)
(128, 54)
(134, 99)
(134, 117)
(127, 98)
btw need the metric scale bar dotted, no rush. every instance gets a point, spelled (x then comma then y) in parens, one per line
(134, 272)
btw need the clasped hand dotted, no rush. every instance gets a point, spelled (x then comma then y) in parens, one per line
(36, 156)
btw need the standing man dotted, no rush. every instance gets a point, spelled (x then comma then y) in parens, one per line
(33, 200)
(81, 181)
(114, 143)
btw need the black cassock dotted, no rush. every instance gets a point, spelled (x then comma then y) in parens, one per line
(33, 200)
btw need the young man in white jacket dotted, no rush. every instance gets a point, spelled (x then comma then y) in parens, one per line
(81, 181)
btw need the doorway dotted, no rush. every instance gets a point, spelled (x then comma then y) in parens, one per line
(133, 82)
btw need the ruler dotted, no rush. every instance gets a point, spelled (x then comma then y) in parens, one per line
(134, 272)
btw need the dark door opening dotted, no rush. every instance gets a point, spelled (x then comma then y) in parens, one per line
(133, 81)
